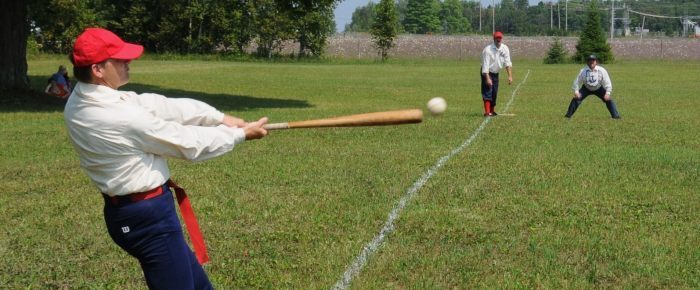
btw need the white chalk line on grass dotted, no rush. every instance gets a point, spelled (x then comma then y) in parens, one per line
(361, 260)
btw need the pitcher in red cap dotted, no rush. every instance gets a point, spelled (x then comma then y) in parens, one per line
(494, 57)
(123, 139)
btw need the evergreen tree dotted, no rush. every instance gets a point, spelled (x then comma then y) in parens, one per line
(556, 53)
(422, 16)
(592, 39)
(384, 28)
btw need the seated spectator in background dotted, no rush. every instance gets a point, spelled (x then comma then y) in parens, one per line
(59, 85)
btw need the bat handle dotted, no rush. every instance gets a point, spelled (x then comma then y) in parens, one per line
(276, 126)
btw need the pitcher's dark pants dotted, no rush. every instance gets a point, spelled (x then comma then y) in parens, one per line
(600, 93)
(150, 231)
(490, 93)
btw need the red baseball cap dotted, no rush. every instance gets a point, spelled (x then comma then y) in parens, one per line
(96, 45)
(498, 34)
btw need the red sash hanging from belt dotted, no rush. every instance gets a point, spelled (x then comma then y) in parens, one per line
(200, 249)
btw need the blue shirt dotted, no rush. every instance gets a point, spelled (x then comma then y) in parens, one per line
(59, 79)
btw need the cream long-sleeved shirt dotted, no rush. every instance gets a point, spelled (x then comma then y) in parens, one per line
(123, 138)
(493, 58)
(593, 79)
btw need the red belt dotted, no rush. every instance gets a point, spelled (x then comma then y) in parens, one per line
(200, 249)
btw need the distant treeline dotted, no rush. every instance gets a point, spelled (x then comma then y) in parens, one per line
(186, 26)
(517, 17)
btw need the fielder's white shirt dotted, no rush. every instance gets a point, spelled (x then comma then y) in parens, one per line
(123, 138)
(493, 58)
(593, 79)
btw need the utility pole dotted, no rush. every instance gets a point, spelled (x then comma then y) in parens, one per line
(558, 16)
(493, 16)
(626, 19)
(551, 16)
(612, 18)
(479, 15)
(566, 15)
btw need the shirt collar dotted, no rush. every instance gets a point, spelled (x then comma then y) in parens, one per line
(97, 93)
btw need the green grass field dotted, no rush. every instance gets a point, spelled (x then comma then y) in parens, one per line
(536, 201)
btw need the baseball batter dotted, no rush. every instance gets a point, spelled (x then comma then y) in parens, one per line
(123, 139)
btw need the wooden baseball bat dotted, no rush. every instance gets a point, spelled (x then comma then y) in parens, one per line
(368, 119)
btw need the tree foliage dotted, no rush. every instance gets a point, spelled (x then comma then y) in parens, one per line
(362, 19)
(192, 26)
(592, 39)
(312, 23)
(518, 17)
(453, 19)
(385, 27)
(422, 16)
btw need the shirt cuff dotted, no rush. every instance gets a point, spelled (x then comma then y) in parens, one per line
(238, 135)
(219, 117)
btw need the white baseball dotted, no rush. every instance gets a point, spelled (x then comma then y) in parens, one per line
(437, 105)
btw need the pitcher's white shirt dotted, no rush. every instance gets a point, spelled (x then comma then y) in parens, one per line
(593, 79)
(123, 138)
(493, 58)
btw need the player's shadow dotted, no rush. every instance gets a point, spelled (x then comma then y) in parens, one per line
(36, 101)
(222, 102)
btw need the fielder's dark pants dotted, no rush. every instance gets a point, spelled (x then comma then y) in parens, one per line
(150, 231)
(489, 93)
(600, 93)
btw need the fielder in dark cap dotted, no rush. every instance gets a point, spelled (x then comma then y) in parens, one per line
(593, 80)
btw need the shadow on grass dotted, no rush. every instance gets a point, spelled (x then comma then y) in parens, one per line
(35, 100)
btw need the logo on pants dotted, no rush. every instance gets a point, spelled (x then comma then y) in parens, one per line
(125, 229)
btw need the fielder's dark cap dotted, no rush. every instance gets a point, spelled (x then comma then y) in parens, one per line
(591, 57)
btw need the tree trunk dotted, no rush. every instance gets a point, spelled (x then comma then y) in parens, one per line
(13, 44)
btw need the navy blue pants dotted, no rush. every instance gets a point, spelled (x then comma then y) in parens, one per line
(490, 93)
(150, 231)
(600, 93)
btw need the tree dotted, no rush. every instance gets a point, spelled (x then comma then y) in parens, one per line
(312, 22)
(385, 26)
(520, 19)
(453, 20)
(59, 22)
(13, 45)
(505, 17)
(272, 27)
(592, 39)
(362, 18)
(422, 16)
(556, 53)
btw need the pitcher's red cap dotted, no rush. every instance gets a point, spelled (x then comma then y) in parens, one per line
(498, 34)
(96, 45)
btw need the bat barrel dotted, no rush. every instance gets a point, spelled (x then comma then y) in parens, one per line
(368, 119)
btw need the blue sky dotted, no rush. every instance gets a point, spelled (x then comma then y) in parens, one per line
(343, 13)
